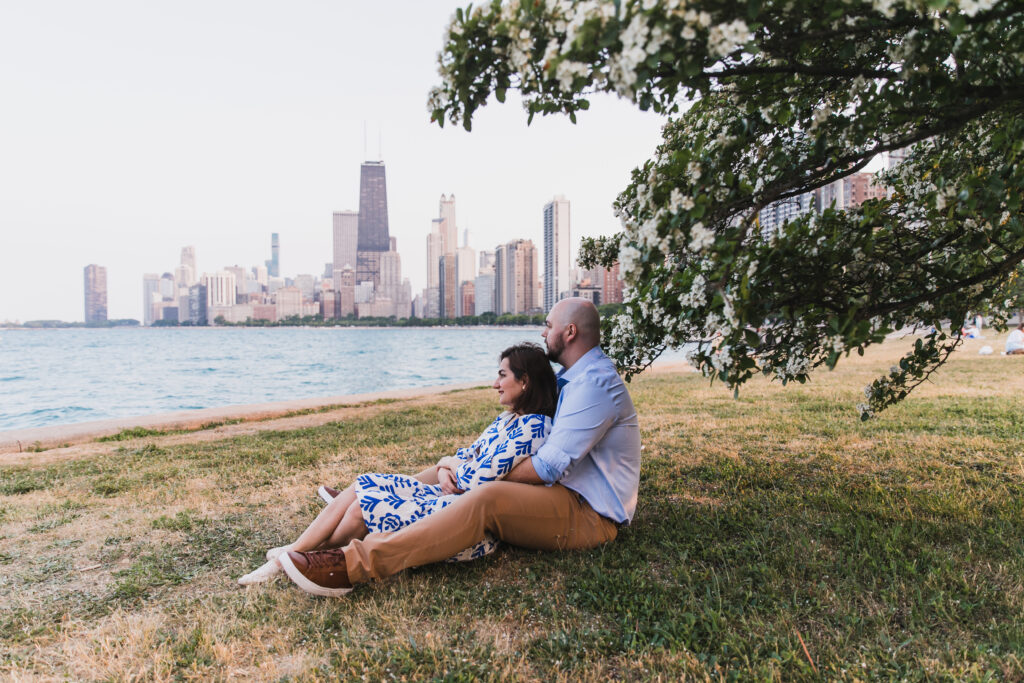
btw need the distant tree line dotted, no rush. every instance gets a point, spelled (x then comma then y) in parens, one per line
(414, 322)
(462, 321)
(48, 324)
(508, 319)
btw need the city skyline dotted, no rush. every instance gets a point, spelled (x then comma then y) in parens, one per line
(120, 147)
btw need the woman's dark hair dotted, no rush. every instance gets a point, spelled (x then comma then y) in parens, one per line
(541, 393)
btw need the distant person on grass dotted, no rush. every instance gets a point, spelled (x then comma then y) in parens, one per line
(388, 502)
(1015, 342)
(572, 493)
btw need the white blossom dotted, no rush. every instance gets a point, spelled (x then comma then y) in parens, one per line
(567, 71)
(701, 238)
(697, 295)
(820, 116)
(628, 258)
(725, 38)
(972, 7)
(677, 201)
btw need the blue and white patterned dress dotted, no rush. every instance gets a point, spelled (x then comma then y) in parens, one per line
(392, 501)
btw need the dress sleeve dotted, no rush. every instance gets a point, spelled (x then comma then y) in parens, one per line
(472, 451)
(519, 441)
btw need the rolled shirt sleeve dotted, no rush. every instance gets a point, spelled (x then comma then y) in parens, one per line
(585, 413)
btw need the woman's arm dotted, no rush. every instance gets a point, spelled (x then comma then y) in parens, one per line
(473, 450)
(497, 459)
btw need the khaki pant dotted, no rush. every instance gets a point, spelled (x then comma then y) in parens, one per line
(540, 517)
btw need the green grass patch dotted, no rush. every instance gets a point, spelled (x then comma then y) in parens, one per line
(776, 538)
(136, 433)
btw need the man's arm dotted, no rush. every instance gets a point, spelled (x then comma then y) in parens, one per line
(524, 473)
(585, 414)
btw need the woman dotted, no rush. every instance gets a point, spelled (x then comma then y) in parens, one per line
(387, 502)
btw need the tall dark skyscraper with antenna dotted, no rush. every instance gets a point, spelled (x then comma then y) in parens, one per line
(373, 208)
(377, 260)
(373, 240)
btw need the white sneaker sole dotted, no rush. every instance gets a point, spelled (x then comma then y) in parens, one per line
(305, 584)
(322, 492)
(274, 553)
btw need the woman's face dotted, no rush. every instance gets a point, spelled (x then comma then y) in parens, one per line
(509, 388)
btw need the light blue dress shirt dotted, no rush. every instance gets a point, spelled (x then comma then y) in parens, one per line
(594, 445)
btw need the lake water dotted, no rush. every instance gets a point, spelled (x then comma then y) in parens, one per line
(63, 376)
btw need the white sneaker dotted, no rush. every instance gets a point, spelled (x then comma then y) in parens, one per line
(274, 553)
(327, 494)
(265, 573)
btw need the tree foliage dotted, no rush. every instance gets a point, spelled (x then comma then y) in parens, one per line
(787, 96)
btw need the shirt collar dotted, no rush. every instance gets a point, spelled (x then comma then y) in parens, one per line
(579, 367)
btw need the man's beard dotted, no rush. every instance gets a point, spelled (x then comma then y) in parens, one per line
(554, 353)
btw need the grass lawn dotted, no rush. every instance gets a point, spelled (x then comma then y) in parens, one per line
(777, 538)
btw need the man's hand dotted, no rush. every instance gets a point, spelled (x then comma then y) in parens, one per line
(446, 480)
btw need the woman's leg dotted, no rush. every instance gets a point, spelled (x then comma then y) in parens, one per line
(351, 527)
(326, 522)
(345, 519)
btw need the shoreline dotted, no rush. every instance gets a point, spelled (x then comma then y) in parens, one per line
(35, 439)
(25, 440)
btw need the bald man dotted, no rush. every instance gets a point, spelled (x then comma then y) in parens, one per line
(574, 493)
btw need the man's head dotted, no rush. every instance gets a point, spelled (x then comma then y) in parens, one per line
(572, 328)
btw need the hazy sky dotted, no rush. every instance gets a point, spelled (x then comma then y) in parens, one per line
(131, 129)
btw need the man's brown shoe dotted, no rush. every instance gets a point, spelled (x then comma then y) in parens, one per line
(327, 493)
(320, 572)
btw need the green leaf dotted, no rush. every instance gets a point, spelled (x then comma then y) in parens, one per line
(956, 22)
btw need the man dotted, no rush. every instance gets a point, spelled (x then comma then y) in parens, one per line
(572, 494)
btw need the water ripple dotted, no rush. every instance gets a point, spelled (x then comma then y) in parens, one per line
(65, 376)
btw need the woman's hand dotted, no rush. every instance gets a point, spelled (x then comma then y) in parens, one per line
(446, 480)
(449, 462)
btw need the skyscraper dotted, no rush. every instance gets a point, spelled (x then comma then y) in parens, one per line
(346, 235)
(611, 285)
(373, 208)
(515, 277)
(221, 288)
(95, 294)
(274, 264)
(450, 240)
(435, 250)
(483, 293)
(373, 238)
(188, 258)
(449, 287)
(150, 295)
(486, 260)
(557, 260)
